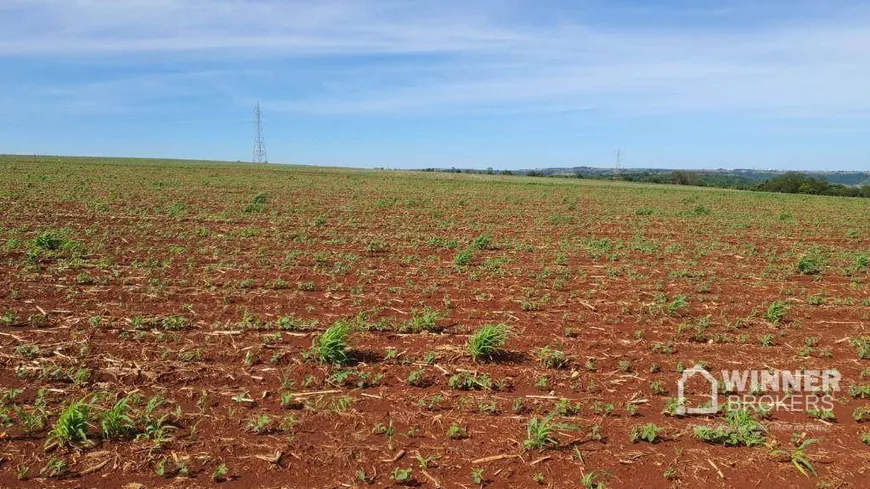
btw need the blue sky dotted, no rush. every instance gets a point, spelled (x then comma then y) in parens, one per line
(473, 83)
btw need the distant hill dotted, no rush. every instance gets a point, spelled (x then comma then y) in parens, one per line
(720, 177)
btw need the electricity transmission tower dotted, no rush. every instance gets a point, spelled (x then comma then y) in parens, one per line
(618, 168)
(259, 141)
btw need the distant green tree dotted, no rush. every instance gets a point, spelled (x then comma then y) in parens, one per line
(799, 183)
(680, 177)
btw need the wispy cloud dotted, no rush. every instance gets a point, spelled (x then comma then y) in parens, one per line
(449, 57)
(288, 28)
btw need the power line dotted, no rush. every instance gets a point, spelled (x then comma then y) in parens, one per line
(259, 140)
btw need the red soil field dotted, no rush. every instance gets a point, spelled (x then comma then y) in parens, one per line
(177, 309)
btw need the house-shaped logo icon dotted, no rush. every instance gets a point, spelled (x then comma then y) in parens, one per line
(681, 392)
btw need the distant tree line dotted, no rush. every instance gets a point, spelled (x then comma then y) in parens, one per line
(790, 182)
(683, 177)
(798, 183)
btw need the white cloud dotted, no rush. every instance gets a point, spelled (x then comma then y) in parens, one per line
(453, 57)
(293, 28)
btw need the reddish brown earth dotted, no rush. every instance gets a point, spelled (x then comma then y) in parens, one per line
(159, 240)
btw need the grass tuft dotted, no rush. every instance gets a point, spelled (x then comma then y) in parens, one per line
(488, 341)
(72, 425)
(539, 433)
(116, 422)
(740, 428)
(331, 346)
(775, 312)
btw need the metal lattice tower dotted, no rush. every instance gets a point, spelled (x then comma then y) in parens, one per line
(617, 170)
(259, 141)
